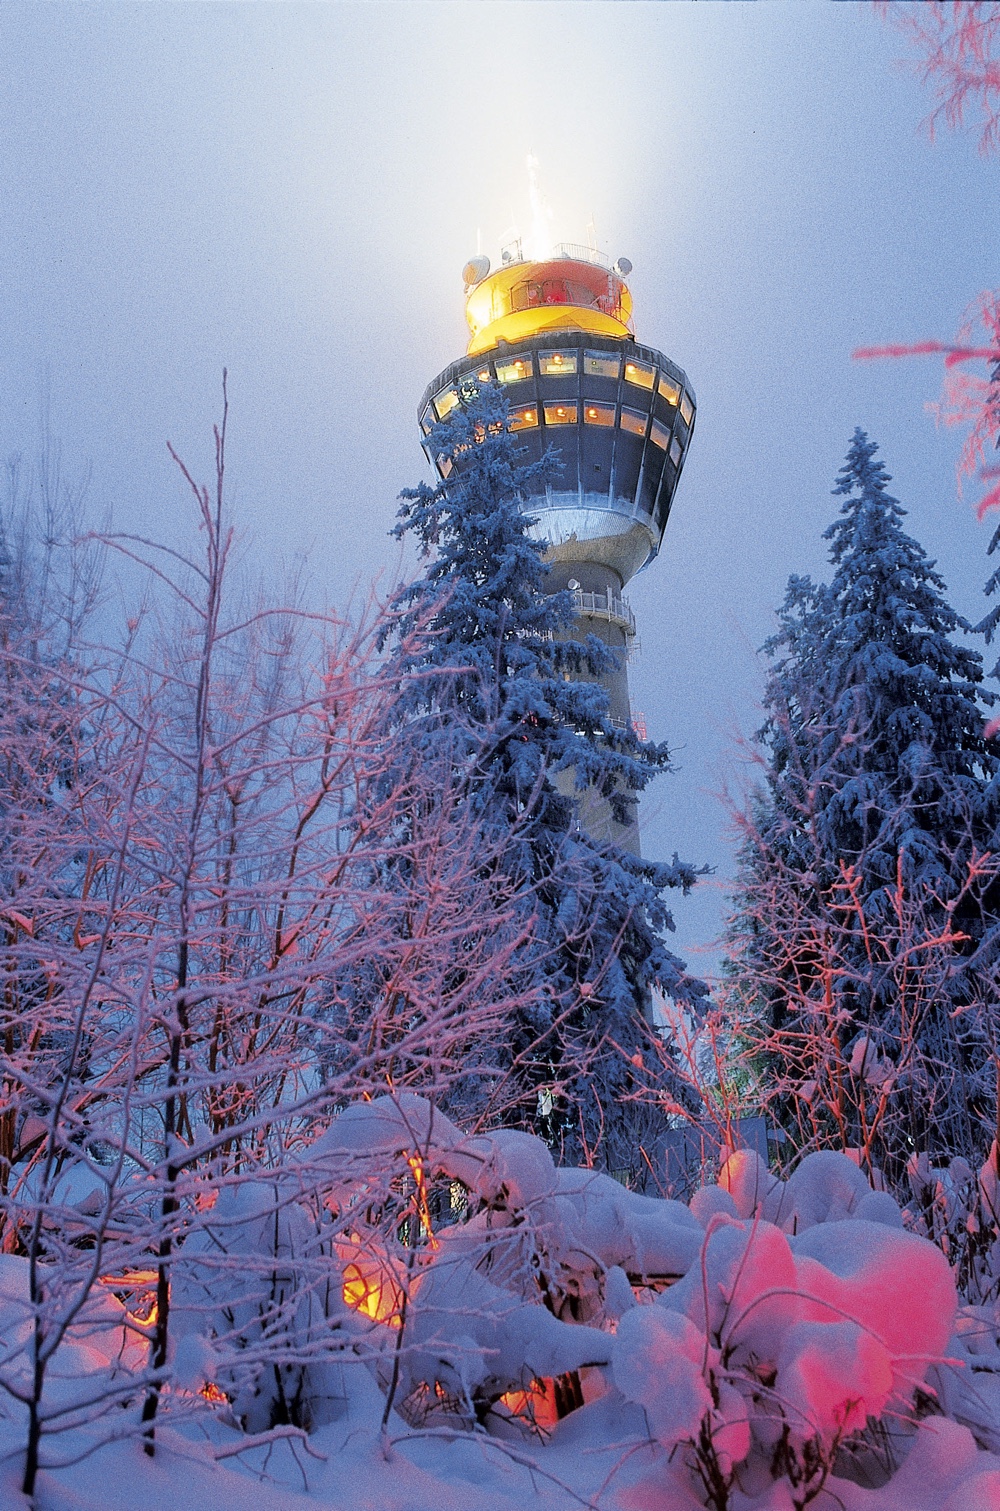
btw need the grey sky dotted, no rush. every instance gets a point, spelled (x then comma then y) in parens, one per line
(291, 191)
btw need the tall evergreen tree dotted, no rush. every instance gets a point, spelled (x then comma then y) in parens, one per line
(874, 651)
(892, 667)
(500, 672)
(880, 793)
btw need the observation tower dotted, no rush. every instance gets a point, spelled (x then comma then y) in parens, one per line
(558, 334)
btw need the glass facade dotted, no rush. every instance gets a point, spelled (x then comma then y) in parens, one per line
(557, 364)
(629, 410)
(669, 390)
(598, 414)
(600, 365)
(445, 403)
(515, 370)
(640, 374)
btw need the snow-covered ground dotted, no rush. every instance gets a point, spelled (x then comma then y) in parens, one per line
(593, 1460)
(771, 1346)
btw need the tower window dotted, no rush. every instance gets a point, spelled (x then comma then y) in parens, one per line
(530, 296)
(445, 464)
(675, 452)
(524, 296)
(513, 372)
(427, 420)
(640, 373)
(659, 435)
(556, 364)
(560, 414)
(599, 414)
(600, 365)
(634, 420)
(445, 402)
(687, 409)
(670, 390)
(523, 419)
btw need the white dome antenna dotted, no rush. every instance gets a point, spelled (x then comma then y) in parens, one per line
(475, 271)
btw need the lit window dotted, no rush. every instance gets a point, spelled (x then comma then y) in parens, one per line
(444, 464)
(458, 1197)
(445, 403)
(634, 420)
(670, 390)
(687, 409)
(513, 372)
(659, 435)
(600, 365)
(560, 414)
(675, 452)
(523, 419)
(599, 414)
(427, 420)
(640, 373)
(556, 364)
(484, 376)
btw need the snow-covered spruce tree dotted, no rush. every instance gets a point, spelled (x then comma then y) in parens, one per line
(862, 880)
(500, 675)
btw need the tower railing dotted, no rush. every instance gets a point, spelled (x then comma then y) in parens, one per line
(579, 253)
(605, 606)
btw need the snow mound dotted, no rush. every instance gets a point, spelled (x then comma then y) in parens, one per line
(824, 1187)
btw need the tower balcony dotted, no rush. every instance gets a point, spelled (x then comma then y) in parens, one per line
(574, 289)
(608, 606)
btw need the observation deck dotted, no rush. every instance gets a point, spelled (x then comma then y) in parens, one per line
(558, 335)
(619, 416)
(575, 289)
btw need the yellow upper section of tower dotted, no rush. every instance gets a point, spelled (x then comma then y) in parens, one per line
(524, 299)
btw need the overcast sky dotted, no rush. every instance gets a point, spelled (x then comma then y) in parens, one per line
(291, 191)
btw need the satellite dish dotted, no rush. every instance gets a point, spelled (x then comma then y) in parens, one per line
(623, 266)
(475, 271)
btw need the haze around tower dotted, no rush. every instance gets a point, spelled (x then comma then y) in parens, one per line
(292, 192)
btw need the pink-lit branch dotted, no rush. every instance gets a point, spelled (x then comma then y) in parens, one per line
(969, 398)
(957, 43)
